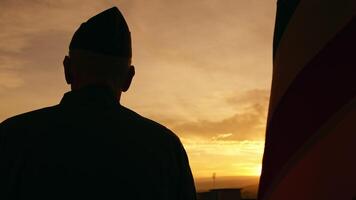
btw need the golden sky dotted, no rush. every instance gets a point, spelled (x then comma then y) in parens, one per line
(203, 69)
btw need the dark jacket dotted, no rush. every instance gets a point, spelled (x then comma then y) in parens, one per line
(91, 147)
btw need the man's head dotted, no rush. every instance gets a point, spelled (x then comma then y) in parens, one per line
(100, 53)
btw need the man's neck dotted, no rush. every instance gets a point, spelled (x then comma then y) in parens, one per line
(115, 91)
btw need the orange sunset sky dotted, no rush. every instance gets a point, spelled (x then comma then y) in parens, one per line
(203, 69)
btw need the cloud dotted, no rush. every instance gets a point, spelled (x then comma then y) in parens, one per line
(250, 97)
(204, 34)
(222, 136)
(10, 76)
(35, 38)
(247, 124)
(9, 80)
(24, 19)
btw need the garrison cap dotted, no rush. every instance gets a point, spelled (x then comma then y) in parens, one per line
(106, 33)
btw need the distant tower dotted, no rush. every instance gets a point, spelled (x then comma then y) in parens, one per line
(214, 179)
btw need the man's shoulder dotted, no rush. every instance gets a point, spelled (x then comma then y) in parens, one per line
(150, 125)
(30, 117)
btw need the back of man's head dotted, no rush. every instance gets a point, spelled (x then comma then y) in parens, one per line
(100, 52)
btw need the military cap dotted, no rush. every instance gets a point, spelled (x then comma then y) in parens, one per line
(106, 33)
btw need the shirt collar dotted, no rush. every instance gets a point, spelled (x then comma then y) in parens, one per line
(90, 96)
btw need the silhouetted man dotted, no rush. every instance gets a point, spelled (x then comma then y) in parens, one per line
(89, 146)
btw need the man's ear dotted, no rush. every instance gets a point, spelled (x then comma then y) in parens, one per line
(67, 69)
(128, 80)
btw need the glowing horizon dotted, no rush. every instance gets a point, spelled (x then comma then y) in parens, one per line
(220, 157)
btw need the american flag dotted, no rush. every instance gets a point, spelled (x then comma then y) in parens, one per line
(310, 150)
